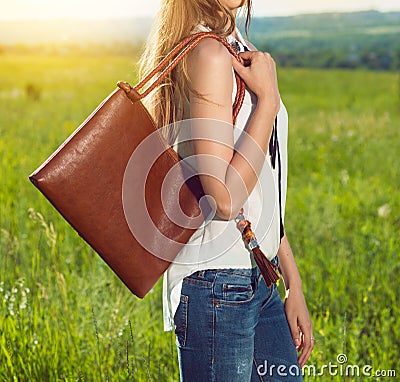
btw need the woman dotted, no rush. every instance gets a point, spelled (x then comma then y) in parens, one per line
(229, 325)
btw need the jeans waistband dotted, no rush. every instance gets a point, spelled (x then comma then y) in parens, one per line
(207, 273)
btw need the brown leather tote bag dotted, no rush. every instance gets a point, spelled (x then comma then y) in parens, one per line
(83, 180)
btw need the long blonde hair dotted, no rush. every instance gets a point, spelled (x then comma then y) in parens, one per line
(175, 21)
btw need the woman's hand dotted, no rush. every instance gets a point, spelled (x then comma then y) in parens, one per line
(295, 304)
(299, 323)
(259, 73)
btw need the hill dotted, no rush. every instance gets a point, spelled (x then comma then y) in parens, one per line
(360, 39)
(367, 39)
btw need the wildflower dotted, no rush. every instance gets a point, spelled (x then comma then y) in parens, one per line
(384, 211)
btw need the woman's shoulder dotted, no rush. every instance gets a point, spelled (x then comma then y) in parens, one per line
(210, 53)
(209, 48)
(209, 66)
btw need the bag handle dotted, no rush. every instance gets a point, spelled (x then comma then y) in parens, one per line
(177, 54)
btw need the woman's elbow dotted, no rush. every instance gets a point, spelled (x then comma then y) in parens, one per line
(227, 211)
(226, 204)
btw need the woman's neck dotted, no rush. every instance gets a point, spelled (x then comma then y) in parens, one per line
(234, 31)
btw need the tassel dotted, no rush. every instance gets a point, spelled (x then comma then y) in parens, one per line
(266, 267)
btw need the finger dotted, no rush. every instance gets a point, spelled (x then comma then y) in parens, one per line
(295, 333)
(266, 54)
(301, 346)
(239, 67)
(249, 54)
(307, 346)
(305, 355)
(239, 59)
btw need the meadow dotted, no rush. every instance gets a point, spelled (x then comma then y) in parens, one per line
(64, 316)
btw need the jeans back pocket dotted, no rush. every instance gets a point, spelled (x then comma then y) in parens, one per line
(180, 320)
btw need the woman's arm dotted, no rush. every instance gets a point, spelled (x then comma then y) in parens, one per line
(226, 174)
(295, 304)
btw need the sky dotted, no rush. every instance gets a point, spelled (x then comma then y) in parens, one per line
(83, 9)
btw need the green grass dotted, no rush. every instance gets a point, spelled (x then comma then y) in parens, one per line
(64, 316)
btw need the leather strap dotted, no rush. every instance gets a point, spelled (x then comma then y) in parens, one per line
(172, 59)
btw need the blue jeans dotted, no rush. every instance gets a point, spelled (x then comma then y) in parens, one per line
(231, 328)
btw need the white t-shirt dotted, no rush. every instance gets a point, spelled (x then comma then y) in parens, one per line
(217, 243)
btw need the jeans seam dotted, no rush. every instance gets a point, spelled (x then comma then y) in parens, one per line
(238, 303)
(198, 282)
(268, 299)
(233, 272)
(213, 330)
(255, 364)
(186, 307)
